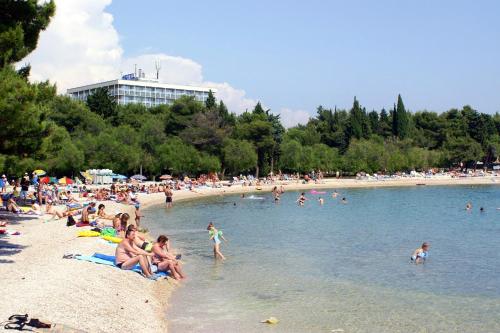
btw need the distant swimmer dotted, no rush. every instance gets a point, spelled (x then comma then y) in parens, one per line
(335, 194)
(420, 254)
(468, 206)
(481, 209)
(321, 201)
(302, 199)
(242, 195)
(344, 200)
(276, 194)
(216, 236)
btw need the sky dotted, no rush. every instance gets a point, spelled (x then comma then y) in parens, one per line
(291, 55)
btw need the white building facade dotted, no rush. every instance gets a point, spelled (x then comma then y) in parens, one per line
(131, 89)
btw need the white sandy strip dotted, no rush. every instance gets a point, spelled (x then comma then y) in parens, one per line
(95, 298)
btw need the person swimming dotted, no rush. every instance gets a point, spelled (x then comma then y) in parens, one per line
(420, 254)
(302, 199)
(335, 194)
(321, 200)
(344, 200)
(468, 206)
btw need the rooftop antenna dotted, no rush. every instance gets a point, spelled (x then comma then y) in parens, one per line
(157, 67)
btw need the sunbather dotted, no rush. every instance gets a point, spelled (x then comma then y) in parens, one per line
(102, 214)
(12, 206)
(128, 255)
(166, 261)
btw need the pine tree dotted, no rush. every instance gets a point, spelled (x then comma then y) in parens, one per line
(210, 102)
(402, 120)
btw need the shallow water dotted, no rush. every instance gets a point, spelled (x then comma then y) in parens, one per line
(323, 268)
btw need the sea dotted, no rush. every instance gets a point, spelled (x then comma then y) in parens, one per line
(338, 267)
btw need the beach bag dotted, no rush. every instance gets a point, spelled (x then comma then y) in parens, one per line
(108, 232)
(71, 221)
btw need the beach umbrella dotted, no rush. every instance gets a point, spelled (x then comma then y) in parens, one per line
(165, 177)
(39, 172)
(138, 177)
(65, 181)
(45, 180)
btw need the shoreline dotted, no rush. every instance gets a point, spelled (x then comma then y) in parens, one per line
(95, 298)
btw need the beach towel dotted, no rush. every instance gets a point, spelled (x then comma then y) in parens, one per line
(107, 260)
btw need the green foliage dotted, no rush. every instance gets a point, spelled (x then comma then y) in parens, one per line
(101, 103)
(24, 109)
(239, 156)
(400, 120)
(20, 25)
(210, 102)
(63, 136)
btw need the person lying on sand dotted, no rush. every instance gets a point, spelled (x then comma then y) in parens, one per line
(51, 210)
(166, 261)
(102, 214)
(127, 255)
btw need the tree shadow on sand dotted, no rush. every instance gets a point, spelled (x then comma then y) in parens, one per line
(7, 249)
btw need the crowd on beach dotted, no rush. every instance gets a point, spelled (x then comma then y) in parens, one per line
(84, 208)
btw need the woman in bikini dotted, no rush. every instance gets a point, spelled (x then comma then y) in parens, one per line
(166, 261)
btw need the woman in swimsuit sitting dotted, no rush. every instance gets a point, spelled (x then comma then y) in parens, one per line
(120, 222)
(166, 261)
(128, 255)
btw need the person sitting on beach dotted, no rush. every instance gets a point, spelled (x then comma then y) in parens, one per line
(166, 261)
(12, 206)
(127, 255)
(120, 222)
(86, 211)
(420, 254)
(216, 236)
(302, 199)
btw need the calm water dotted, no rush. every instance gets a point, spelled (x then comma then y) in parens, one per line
(323, 268)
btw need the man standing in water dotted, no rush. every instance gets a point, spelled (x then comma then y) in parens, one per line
(168, 196)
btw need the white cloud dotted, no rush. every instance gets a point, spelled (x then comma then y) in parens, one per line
(290, 118)
(81, 46)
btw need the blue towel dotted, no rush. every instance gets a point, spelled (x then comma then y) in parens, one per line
(104, 259)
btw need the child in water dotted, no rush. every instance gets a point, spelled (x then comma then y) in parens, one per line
(216, 236)
(420, 254)
(321, 201)
(138, 215)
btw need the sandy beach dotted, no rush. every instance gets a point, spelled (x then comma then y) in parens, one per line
(95, 298)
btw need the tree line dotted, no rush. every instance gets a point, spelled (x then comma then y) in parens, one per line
(40, 129)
